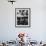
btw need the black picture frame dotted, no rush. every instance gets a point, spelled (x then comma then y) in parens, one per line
(22, 17)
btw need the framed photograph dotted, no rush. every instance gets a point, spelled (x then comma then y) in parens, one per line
(22, 17)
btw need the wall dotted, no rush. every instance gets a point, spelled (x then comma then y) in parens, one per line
(8, 31)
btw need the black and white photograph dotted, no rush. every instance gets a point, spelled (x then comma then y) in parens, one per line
(22, 17)
(22, 22)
